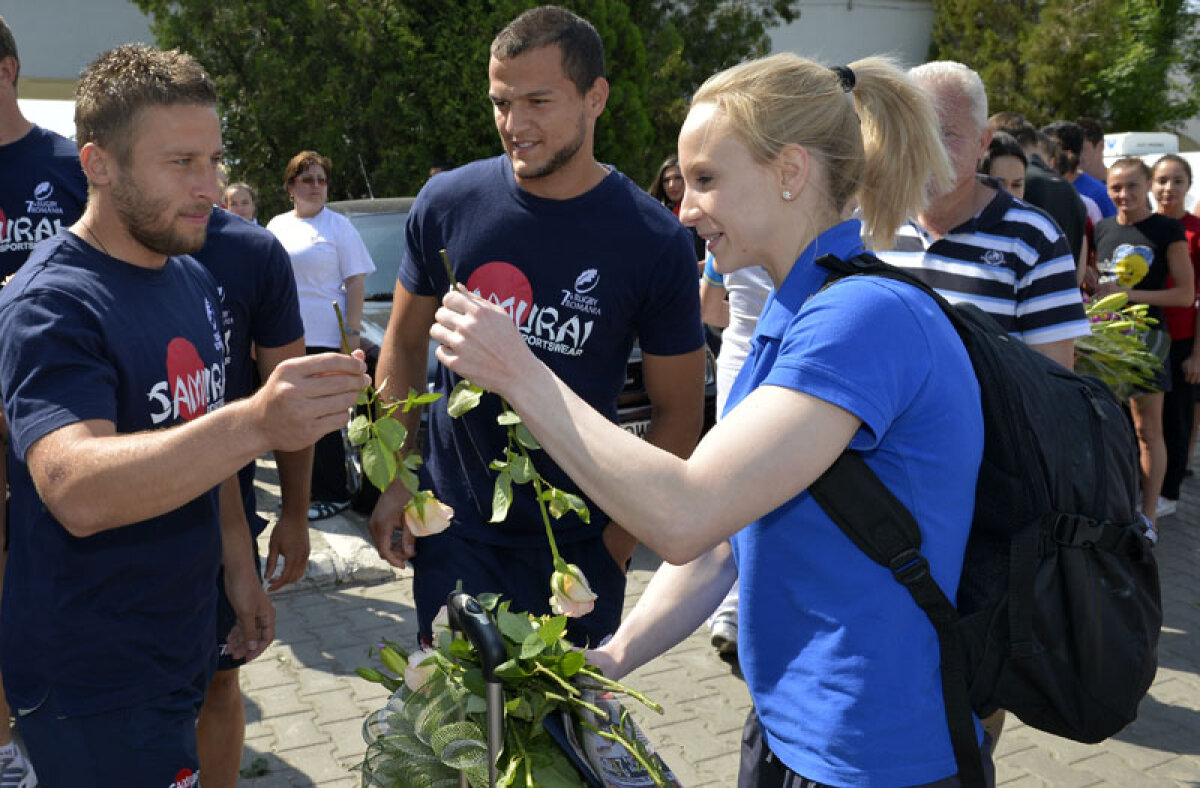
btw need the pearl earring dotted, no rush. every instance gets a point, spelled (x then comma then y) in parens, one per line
(787, 195)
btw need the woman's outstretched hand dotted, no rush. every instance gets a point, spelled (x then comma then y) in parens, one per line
(479, 341)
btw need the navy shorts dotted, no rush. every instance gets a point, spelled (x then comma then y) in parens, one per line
(152, 745)
(519, 574)
(226, 618)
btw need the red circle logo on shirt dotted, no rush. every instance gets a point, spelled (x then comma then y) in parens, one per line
(505, 285)
(185, 376)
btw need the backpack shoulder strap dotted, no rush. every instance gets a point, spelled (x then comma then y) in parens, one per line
(884, 529)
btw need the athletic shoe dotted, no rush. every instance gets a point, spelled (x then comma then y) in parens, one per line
(1165, 508)
(725, 633)
(16, 772)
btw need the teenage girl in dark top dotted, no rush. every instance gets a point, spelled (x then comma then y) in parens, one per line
(1136, 250)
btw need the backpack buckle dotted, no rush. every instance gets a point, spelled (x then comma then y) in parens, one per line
(1076, 531)
(909, 567)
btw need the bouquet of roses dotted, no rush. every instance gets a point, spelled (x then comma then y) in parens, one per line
(556, 707)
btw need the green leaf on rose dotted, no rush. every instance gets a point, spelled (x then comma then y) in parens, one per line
(518, 708)
(378, 463)
(407, 478)
(464, 397)
(391, 432)
(521, 469)
(476, 704)
(359, 430)
(473, 680)
(532, 646)
(415, 400)
(572, 662)
(502, 497)
(552, 629)
(363, 398)
(562, 502)
(525, 437)
(514, 626)
(508, 418)
(461, 649)
(488, 600)
(511, 669)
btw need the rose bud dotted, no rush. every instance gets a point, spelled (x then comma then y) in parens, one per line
(420, 669)
(571, 595)
(426, 515)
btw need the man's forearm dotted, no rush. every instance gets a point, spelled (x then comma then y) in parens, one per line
(295, 484)
(93, 479)
(236, 549)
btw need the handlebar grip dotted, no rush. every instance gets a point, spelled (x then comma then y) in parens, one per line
(469, 617)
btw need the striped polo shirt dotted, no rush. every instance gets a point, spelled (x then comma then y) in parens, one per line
(1011, 260)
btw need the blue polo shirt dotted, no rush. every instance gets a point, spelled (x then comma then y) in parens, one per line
(842, 665)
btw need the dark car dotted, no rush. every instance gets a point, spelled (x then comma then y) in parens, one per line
(381, 224)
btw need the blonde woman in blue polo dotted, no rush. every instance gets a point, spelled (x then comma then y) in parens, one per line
(842, 666)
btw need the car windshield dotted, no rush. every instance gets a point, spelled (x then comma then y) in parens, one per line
(383, 233)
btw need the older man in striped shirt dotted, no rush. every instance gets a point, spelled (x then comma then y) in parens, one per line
(979, 244)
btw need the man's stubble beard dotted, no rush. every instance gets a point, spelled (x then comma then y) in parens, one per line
(562, 156)
(142, 218)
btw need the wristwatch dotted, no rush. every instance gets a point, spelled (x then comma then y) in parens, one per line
(354, 332)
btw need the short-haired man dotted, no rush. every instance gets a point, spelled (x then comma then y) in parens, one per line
(979, 244)
(1091, 156)
(586, 263)
(113, 378)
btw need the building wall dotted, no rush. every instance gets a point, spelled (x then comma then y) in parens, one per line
(57, 38)
(837, 32)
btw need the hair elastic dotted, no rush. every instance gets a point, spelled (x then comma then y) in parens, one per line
(845, 75)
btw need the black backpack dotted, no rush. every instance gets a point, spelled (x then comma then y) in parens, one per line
(1058, 609)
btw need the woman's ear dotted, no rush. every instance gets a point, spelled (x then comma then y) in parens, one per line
(794, 165)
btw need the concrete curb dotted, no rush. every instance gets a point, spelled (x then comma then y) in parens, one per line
(341, 554)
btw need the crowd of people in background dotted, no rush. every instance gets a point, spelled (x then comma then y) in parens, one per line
(132, 432)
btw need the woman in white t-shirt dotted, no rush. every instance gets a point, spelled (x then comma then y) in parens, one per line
(330, 262)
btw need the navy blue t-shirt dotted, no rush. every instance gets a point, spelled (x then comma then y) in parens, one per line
(109, 620)
(583, 278)
(42, 189)
(259, 305)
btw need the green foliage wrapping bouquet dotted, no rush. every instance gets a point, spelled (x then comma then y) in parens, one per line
(433, 726)
(1117, 351)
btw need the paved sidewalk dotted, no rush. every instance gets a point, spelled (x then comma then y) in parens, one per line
(305, 706)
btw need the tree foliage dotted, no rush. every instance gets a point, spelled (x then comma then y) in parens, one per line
(1132, 64)
(386, 88)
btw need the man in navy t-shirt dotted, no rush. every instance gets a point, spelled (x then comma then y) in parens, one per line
(112, 373)
(261, 329)
(586, 263)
